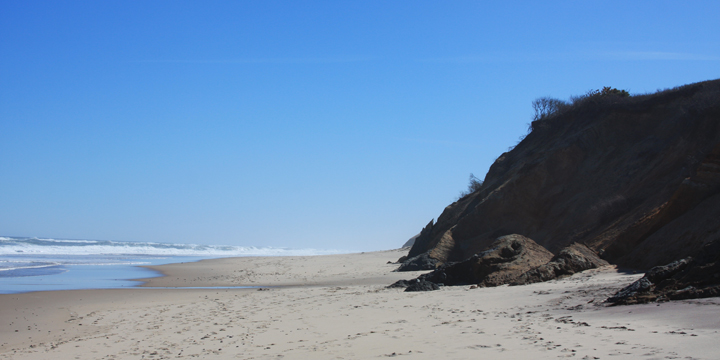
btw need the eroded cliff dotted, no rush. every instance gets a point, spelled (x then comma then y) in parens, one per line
(635, 179)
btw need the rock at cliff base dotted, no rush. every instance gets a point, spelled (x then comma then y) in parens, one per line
(572, 259)
(422, 285)
(400, 284)
(689, 278)
(507, 258)
(417, 263)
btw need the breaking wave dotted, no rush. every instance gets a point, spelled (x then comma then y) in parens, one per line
(42, 246)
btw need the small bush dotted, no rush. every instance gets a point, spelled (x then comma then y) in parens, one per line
(608, 91)
(474, 185)
(605, 93)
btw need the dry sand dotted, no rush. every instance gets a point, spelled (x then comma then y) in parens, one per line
(336, 307)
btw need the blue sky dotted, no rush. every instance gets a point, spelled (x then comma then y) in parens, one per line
(325, 124)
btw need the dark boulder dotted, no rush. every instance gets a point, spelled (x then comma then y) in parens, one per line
(693, 277)
(660, 273)
(422, 285)
(400, 284)
(417, 263)
(642, 290)
(631, 293)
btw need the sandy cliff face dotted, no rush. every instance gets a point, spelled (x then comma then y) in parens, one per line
(635, 179)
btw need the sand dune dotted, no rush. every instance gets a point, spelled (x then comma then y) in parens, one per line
(337, 307)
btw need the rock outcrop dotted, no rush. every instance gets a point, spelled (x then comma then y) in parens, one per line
(635, 179)
(572, 259)
(422, 285)
(417, 263)
(508, 257)
(689, 278)
(512, 259)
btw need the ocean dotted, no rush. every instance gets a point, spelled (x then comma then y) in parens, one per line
(42, 264)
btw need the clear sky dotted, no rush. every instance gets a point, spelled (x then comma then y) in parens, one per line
(325, 124)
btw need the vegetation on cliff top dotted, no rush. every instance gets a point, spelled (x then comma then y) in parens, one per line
(546, 107)
(609, 98)
(548, 111)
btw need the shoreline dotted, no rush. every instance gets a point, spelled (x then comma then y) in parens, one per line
(337, 306)
(77, 272)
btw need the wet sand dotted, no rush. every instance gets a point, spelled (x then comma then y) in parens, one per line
(337, 307)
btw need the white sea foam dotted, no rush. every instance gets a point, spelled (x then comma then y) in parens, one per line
(8, 266)
(42, 246)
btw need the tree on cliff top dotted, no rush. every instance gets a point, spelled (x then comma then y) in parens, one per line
(546, 106)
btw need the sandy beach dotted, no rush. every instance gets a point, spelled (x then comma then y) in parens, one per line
(337, 307)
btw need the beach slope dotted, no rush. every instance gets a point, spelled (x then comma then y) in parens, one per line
(337, 307)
